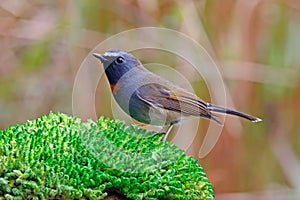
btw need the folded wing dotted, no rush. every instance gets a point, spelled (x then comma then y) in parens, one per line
(175, 100)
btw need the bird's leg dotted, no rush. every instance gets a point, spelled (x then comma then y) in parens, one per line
(167, 133)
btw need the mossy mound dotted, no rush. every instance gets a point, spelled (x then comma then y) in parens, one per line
(60, 156)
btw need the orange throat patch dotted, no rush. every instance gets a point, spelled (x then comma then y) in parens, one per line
(115, 88)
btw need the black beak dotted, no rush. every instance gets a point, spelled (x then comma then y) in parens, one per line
(101, 57)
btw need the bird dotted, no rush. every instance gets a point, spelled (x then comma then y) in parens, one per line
(150, 98)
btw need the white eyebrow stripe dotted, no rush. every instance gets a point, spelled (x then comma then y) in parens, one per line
(113, 54)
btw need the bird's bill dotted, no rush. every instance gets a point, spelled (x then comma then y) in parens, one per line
(101, 57)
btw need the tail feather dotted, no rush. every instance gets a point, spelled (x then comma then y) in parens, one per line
(220, 109)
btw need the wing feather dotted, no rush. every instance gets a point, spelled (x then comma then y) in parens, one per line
(175, 100)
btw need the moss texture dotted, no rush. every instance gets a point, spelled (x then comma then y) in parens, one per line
(60, 156)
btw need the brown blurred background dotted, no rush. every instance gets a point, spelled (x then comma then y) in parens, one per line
(256, 44)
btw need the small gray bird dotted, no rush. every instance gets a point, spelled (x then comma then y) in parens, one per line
(151, 99)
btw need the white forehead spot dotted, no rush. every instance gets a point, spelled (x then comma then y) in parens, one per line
(111, 54)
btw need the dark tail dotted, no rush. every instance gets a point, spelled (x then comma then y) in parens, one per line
(220, 109)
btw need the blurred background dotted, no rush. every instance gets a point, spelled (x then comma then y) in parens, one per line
(256, 45)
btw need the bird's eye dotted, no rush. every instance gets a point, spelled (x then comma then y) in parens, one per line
(120, 60)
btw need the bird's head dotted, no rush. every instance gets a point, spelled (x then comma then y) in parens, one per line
(116, 63)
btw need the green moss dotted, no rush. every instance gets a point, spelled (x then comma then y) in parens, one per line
(58, 155)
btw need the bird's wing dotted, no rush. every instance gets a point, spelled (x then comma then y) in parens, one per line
(175, 100)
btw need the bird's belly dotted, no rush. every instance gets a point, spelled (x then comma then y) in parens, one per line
(140, 110)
